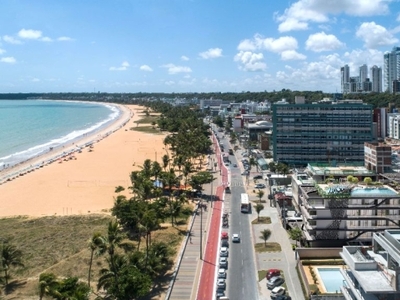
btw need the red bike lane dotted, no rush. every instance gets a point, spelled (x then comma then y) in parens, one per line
(207, 277)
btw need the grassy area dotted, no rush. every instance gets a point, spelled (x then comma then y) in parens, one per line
(147, 119)
(262, 220)
(146, 129)
(261, 274)
(59, 245)
(268, 247)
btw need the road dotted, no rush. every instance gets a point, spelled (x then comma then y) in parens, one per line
(242, 279)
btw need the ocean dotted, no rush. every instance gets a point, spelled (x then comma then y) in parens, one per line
(32, 127)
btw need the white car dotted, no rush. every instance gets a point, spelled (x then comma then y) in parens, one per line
(221, 273)
(223, 262)
(277, 291)
(235, 238)
(221, 283)
(223, 252)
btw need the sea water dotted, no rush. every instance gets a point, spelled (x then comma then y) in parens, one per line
(32, 127)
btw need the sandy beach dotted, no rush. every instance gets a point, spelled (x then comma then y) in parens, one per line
(84, 181)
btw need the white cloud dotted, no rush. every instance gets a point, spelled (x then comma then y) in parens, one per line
(8, 60)
(35, 79)
(375, 35)
(357, 58)
(124, 66)
(2, 51)
(64, 38)
(146, 68)
(292, 55)
(278, 45)
(30, 34)
(11, 40)
(46, 39)
(300, 13)
(250, 61)
(173, 69)
(211, 53)
(321, 41)
(184, 58)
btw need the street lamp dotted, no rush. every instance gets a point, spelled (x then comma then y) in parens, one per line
(201, 228)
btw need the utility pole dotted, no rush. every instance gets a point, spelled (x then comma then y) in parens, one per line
(201, 229)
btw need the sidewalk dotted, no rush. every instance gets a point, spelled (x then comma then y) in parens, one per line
(189, 270)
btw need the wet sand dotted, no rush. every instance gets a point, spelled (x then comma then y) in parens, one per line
(82, 183)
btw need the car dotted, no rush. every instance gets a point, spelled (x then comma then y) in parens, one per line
(224, 243)
(224, 235)
(220, 293)
(272, 273)
(282, 297)
(245, 173)
(221, 283)
(222, 273)
(274, 282)
(245, 155)
(235, 238)
(258, 177)
(260, 186)
(223, 252)
(226, 164)
(277, 291)
(235, 165)
(223, 262)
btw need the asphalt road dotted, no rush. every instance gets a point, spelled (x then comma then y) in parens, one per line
(242, 279)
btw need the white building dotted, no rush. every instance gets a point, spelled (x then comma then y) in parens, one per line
(373, 273)
(393, 128)
(391, 62)
(345, 79)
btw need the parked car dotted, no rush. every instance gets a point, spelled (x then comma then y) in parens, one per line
(258, 177)
(223, 262)
(220, 293)
(235, 238)
(235, 165)
(274, 282)
(221, 283)
(221, 273)
(272, 273)
(245, 173)
(260, 186)
(282, 297)
(223, 252)
(277, 291)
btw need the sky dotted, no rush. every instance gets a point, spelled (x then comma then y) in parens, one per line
(184, 46)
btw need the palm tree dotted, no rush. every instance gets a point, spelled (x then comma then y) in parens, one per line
(265, 234)
(48, 284)
(96, 245)
(10, 256)
(259, 207)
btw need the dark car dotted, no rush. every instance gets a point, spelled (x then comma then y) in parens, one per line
(274, 282)
(258, 177)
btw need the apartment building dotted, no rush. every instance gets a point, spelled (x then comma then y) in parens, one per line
(326, 131)
(336, 212)
(373, 273)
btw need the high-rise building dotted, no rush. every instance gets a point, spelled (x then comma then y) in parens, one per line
(345, 79)
(363, 73)
(321, 132)
(391, 62)
(376, 77)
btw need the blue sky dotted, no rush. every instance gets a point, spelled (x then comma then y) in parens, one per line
(190, 45)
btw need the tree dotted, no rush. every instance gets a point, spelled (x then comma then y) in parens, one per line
(48, 284)
(259, 207)
(265, 234)
(295, 234)
(96, 245)
(253, 162)
(367, 180)
(10, 256)
(260, 194)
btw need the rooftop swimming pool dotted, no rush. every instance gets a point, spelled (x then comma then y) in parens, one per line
(331, 279)
(372, 192)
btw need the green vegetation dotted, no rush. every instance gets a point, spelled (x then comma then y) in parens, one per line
(262, 220)
(267, 247)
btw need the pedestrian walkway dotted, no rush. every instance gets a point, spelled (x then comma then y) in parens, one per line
(188, 269)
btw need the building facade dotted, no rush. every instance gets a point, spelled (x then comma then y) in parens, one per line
(373, 273)
(378, 157)
(391, 67)
(321, 132)
(345, 79)
(376, 77)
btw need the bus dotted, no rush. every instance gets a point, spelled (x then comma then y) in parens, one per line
(245, 206)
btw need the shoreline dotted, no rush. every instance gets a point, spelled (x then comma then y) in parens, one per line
(80, 177)
(65, 149)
